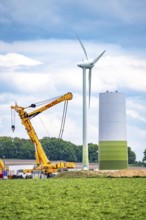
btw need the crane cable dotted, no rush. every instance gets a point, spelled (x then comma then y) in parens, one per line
(63, 119)
(44, 101)
(44, 125)
(12, 120)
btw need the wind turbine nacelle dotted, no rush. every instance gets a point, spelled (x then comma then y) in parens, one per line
(86, 64)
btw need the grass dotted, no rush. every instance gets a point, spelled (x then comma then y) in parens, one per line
(73, 199)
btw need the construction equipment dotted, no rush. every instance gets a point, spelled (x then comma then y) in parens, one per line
(25, 174)
(42, 162)
(3, 170)
(2, 166)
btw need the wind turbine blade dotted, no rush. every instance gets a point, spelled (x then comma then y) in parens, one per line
(82, 47)
(90, 75)
(94, 61)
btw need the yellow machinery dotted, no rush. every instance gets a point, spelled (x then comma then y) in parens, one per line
(42, 162)
(2, 166)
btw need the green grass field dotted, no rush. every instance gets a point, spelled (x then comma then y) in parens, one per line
(78, 198)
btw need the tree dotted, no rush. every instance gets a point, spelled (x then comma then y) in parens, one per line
(16, 148)
(78, 152)
(144, 158)
(131, 156)
(57, 149)
(6, 147)
(93, 153)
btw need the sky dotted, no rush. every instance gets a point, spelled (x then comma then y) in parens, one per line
(39, 53)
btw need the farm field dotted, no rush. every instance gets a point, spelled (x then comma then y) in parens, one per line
(73, 198)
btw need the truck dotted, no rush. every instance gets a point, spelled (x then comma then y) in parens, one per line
(24, 174)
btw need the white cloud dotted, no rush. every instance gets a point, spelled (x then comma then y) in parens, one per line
(135, 115)
(136, 109)
(16, 60)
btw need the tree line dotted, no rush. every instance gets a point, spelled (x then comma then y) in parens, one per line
(55, 149)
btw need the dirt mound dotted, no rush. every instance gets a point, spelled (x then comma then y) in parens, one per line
(102, 173)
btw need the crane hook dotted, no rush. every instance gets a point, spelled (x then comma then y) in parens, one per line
(13, 128)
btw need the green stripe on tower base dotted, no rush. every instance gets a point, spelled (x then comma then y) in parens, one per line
(113, 155)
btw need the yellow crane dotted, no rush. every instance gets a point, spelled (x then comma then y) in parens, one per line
(42, 161)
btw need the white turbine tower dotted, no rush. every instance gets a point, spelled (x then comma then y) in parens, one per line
(87, 64)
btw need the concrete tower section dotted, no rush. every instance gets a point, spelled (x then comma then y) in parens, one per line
(113, 154)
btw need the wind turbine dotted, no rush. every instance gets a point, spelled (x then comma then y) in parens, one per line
(86, 64)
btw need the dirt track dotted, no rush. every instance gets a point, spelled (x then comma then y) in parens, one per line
(93, 172)
(103, 173)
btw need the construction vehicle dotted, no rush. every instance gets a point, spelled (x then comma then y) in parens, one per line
(3, 170)
(2, 166)
(43, 164)
(25, 174)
